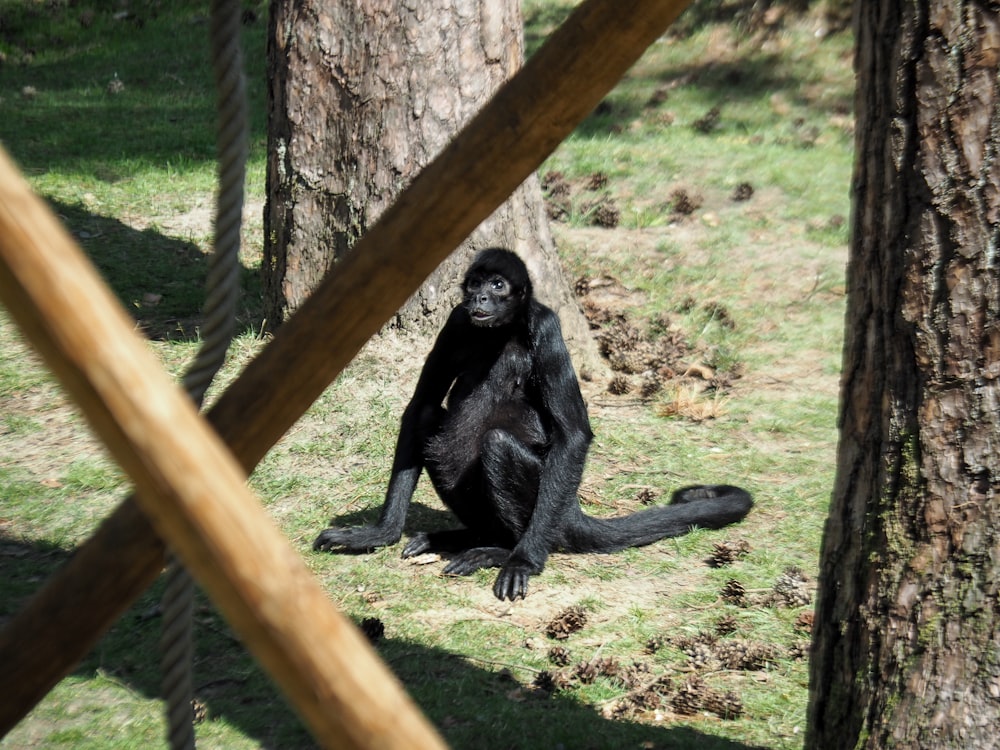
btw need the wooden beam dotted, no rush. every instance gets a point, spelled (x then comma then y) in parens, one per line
(193, 490)
(495, 152)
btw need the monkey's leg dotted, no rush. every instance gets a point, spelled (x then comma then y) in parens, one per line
(511, 473)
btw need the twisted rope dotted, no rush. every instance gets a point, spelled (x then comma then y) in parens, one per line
(223, 287)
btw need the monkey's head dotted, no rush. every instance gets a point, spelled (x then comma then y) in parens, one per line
(496, 289)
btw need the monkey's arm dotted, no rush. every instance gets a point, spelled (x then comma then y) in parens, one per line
(406, 466)
(435, 379)
(569, 438)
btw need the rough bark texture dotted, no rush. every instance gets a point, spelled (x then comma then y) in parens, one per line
(362, 96)
(907, 643)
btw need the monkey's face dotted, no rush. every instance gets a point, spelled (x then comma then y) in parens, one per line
(490, 299)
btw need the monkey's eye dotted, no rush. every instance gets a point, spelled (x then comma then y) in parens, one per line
(497, 285)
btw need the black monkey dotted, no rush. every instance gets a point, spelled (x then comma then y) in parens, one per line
(507, 454)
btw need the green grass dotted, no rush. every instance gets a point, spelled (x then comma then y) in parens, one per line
(756, 286)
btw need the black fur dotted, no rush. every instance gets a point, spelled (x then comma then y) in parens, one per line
(507, 454)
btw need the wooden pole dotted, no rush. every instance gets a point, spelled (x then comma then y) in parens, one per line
(192, 488)
(496, 151)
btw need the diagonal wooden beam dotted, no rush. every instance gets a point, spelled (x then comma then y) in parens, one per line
(193, 490)
(495, 152)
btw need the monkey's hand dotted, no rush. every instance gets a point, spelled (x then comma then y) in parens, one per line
(512, 583)
(357, 539)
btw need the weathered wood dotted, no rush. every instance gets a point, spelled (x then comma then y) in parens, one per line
(193, 490)
(514, 133)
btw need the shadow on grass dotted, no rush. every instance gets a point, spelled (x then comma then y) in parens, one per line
(113, 88)
(419, 517)
(160, 280)
(472, 707)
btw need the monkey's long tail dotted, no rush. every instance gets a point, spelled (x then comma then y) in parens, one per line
(709, 506)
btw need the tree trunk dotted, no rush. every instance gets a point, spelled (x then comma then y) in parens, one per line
(361, 97)
(906, 646)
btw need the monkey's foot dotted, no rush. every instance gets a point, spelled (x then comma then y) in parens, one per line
(477, 558)
(357, 539)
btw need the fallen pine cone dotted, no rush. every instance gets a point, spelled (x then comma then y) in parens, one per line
(566, 623)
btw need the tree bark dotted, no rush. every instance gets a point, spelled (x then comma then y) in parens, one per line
(906, 648)
(362, 97)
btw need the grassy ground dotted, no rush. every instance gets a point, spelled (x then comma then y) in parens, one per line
(720, 218)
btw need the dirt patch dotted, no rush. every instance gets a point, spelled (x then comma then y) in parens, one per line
(547, 599)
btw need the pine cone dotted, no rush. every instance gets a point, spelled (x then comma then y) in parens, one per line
(650, 384)
(619, 385)
(551, 682)
(662, 686)
(655, 643)
(799, 651)
(628, 361)
(725, 553)
(722, 555)
(619, 336)
(688, 643)
(596, 181)
(647, 700)
(566, 623)
(734, 593)
(608, 667)
(603, 213)
(690, 697)
(724, 705)
(586, 672)
(726, 625)
(732, 654)
(645, 496)
(555, 184)
(702, 656)
(742, 192)
(559, 656)
(792, 588)
(633, 676)
(685, 203)
(709, 121)
(745, 655)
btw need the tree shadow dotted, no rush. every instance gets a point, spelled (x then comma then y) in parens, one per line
(130, 86)
(232, 688)
(160, 280)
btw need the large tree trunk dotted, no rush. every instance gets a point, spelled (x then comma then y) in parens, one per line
(907, 641)
(362, 96)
